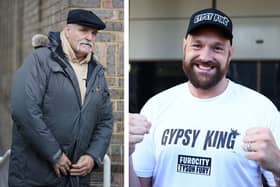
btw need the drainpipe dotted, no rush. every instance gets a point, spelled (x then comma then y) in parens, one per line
(107, 171)
(5, 157)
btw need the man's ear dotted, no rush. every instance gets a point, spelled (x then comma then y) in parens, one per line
(67, 30)
(184, 46)
(230, 53)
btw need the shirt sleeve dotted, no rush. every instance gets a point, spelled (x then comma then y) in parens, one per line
(144, 157)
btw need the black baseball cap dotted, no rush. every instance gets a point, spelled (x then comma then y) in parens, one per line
(85, 18)
(211, 17)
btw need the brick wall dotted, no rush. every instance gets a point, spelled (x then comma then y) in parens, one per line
(20, 20)
(8, 44)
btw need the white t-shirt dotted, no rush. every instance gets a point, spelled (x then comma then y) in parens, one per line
(197, 142)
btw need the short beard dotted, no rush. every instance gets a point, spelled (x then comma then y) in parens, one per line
(207, 81)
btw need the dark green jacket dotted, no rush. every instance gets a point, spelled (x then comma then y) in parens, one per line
(49, 118)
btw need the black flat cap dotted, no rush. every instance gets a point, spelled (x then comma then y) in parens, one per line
(85, 18)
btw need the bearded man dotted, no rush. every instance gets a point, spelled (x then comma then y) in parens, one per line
(192, 134)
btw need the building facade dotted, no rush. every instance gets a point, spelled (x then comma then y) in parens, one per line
(157, 29)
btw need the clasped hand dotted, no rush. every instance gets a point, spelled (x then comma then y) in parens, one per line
(81, 168)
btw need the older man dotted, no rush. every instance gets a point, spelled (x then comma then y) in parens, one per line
(61, 109)
(192, 134)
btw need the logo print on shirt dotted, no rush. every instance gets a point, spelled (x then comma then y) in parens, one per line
(188, 137)
(194, 165)
(220, 139)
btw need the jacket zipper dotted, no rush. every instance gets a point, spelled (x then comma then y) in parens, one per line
(95, 73)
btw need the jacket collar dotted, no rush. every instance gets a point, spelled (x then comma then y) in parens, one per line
(55, 43)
